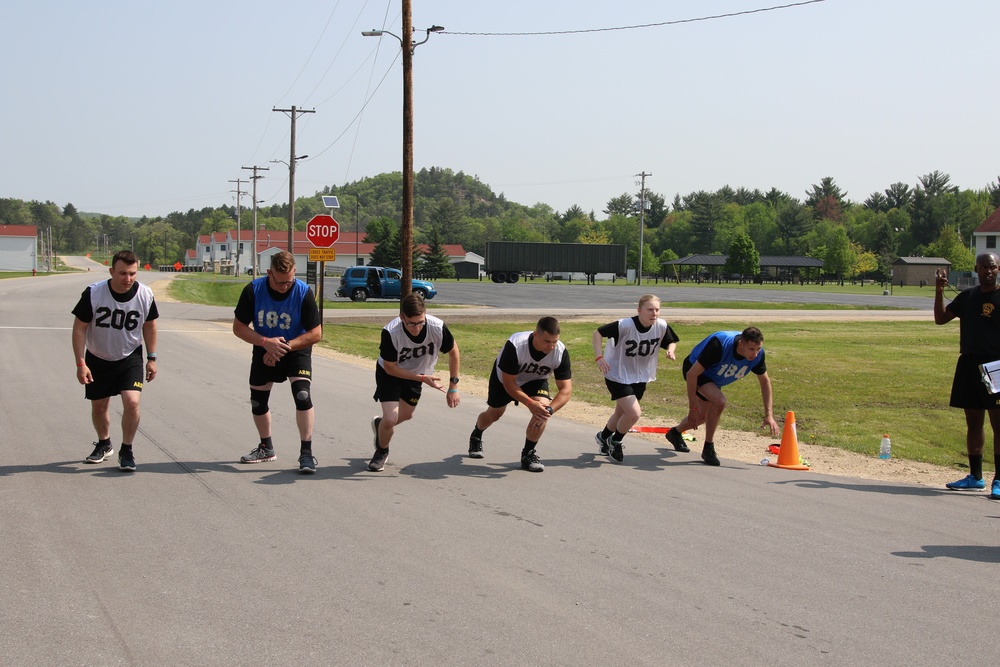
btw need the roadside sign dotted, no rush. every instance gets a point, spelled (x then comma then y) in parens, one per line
(322, 254)
(322, 231)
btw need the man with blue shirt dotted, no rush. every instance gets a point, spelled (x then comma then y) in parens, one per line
(722, 358)
(278, 315)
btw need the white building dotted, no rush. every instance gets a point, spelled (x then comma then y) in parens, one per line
(18, 244)
(222, 247)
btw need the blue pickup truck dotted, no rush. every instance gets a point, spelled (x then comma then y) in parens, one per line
(361, 283)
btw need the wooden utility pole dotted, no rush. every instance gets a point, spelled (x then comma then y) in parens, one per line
(239, 207)
(254, 179)
(406, 228)
(293, 113)
(642, 223)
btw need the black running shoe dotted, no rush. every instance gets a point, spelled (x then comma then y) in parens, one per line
(126, 461)
(307, 464)
(475, 447)
(708, 455)
(677, 440)
(375, 423)
(531, 463)
(604, 449)
(617, 450)
(100, 453)
(377, 464)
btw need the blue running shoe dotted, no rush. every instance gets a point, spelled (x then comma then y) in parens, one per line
(967, 482)
(995, 491)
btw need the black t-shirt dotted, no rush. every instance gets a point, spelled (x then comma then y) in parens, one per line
(979, 321)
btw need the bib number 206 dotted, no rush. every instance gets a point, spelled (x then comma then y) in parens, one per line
(116, 319)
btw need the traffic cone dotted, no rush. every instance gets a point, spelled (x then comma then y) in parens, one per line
(788, 455)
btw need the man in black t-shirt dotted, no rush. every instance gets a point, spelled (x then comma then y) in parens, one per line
(277, 314)
(113, 319)
(978, 312)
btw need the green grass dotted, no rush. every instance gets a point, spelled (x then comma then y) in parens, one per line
(767, 305)
(847, 383)
(220, 291)
(214, 290)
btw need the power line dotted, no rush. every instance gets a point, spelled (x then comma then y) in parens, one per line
(635, 27)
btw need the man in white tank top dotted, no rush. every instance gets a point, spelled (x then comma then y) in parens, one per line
(113, 319)
(521, 375)
(628, 362)
(408, 352)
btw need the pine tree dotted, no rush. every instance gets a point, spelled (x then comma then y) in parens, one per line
(434, 263)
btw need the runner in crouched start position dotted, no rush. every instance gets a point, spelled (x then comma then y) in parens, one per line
(722, 358)
(408, 353)
(285, 325)
(521, 375)
(628, 362)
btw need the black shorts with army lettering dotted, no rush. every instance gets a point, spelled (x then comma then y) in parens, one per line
(498, 396)
(111, 378)
(295, 365)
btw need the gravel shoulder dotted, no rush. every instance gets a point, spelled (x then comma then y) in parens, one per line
(738, 446)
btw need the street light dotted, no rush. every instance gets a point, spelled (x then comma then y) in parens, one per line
(406, 227)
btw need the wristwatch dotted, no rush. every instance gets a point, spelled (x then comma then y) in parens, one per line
(151, 356)
(454, 380)
(548, 408)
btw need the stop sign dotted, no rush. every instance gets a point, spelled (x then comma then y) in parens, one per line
(323, 231)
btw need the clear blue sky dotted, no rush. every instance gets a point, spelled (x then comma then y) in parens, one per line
(133, 107)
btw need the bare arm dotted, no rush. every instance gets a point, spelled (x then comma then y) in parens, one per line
(83, 375)
(766, 395)
(537, 408)
(307, 339)
(393, 369)
(598, 341)
(563, 394)
(941, 314)
(274, 346)
(453, 367)
(692, 390)
(149, 339)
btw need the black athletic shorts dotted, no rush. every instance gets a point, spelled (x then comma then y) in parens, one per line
(295, 365)
(389, 388)
(111, 378)
(702, 380)
(968, 391)
(619, 390)
(498, 396)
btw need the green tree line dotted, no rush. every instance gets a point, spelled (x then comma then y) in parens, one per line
(932, 217)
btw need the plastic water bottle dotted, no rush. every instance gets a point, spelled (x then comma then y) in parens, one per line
(885, 449)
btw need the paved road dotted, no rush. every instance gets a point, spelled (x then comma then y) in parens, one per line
(440, 560)
(540, 295)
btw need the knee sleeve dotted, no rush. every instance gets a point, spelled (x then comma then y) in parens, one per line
(300, 392)
(258, 401)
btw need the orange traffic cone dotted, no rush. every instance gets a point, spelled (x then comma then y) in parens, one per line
(788, 455)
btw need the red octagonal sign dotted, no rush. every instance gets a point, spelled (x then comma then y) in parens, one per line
(323, 231)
